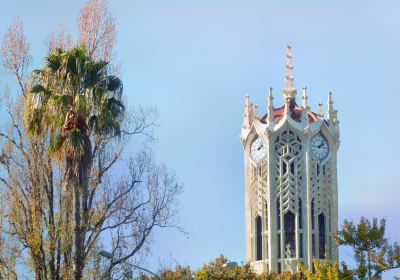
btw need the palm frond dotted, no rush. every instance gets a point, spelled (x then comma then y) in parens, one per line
(56, 144)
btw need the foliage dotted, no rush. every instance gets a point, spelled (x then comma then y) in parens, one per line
(372, 251)
(324, 270)
(218, 269)
(65, 178)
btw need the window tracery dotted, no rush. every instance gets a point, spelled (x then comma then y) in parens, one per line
(289, 170)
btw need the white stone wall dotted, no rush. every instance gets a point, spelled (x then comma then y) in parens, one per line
(288, 173)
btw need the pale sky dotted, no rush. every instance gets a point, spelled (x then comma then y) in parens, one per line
(196, 60)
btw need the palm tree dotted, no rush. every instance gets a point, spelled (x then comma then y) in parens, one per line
(71, 103)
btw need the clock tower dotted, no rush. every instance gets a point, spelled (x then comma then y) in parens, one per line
(290, 177)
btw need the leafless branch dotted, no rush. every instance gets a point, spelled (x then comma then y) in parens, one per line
(15, 53)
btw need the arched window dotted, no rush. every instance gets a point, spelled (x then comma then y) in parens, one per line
(290, 241)
(314, 253)
(278, 214)
(300, 214)
(259, 238)
(266, 214)
(321, 231)
(300, 227)
(312, 214)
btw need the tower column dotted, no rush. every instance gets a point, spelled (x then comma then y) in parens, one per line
(272, 225)
(308, 253)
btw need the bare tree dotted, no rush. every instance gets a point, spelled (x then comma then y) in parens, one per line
(61, 39)
(97, 29)
(15, 52)
(150, 202)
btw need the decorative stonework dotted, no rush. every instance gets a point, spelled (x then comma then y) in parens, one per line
(289, 169)
(291, 192)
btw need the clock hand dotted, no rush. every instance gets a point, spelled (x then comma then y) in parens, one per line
(321, 145)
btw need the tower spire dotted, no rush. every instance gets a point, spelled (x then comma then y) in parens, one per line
(247, 116)
(304, 106)
(320, 112)
(330, 113)
(289, 92)
(270, 112)
(304, 98)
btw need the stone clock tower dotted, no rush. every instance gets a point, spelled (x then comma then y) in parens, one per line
(291, 189)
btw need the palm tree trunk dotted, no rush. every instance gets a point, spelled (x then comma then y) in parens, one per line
(80, 210)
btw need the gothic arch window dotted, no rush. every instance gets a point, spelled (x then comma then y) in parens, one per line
(321, 236)
(278, 246)
(300, 227)
(290, 241)
(329, 225)
(312, 214)
(329, 229)
(266, 215)
(278, 214)
(300, 214)
(313, 227)
(292, 168)
(258, 238)
(284, 167)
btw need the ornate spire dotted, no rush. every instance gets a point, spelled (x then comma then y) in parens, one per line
(304, 98)
(320, 112)
(270, 110)
(255, 111)
(336, 120)
(247, 116)
(289, 92)
(330, 113)
(304, 106)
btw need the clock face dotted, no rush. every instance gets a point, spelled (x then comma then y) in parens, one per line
(258, 149)
(320, 147)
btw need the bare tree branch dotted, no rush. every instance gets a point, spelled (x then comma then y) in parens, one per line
(15, 53)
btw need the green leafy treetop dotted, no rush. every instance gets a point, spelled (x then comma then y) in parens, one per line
(73, 98)
(372, 250)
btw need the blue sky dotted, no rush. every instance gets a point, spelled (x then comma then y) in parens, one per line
(196, 60)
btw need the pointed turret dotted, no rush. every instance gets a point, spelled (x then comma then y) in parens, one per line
(320, 112)
(247, 115)
(255, 112)
(304, 107)
(304, 98)
(289, 92)
(335, 118)
(330, 114)
(270, 111)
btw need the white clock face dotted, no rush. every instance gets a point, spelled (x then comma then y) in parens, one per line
(258, 149)
(320, 147)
